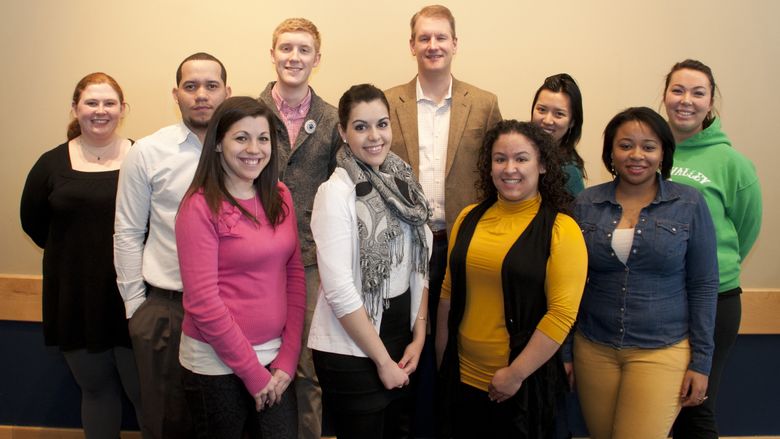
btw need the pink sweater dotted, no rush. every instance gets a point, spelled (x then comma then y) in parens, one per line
(243, 284)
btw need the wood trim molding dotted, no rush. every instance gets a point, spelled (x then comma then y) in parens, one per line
(20, 300)
(760, 311)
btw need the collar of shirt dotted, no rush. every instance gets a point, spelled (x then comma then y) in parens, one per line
(286, 111)
(421, 94)
(184, 134)
(666, 192)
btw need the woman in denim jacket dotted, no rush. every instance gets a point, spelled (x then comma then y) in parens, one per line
(644, 341)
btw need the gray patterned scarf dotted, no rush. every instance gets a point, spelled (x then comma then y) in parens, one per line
(384, 198)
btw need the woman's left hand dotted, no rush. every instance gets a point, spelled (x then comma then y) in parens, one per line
(504, 385)
(411, 357)
(283, 380)
(694, 389)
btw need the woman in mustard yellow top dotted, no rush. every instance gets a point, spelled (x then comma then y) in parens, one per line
(515, 277)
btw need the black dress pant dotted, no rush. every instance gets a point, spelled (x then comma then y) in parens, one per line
(699, 422)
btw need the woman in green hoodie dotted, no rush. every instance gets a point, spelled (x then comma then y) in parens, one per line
(705, 159)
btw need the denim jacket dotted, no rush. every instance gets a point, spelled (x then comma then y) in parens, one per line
(667, 290)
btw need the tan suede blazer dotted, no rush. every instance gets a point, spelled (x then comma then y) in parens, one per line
(473, 112)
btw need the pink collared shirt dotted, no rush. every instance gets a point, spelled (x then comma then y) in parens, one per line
(292, 117)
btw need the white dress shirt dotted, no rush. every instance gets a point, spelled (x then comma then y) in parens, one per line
(433, 130)
(153, 178)
(335, 229)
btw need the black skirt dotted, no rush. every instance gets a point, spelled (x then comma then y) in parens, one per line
(351, 383)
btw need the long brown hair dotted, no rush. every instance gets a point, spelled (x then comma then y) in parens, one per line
(74, 129)
(210, 174)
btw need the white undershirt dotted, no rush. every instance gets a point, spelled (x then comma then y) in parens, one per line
(622, 239)
(199, 357)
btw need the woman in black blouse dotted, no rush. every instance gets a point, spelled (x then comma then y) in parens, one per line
(67, 209)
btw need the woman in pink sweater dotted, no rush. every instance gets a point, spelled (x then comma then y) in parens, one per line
(244, 293)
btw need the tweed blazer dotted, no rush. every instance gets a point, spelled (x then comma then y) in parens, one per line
(472, 113)
(309, 164)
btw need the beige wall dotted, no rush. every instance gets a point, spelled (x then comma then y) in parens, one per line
(618, 51)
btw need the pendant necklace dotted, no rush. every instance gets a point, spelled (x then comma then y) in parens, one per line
(105, 150)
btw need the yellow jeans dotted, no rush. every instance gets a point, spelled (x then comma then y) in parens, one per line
(629, 393)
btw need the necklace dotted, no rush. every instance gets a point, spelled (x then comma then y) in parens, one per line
(103, 151)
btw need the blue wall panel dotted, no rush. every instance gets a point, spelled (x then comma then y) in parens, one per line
(36, 386)
(37, 389)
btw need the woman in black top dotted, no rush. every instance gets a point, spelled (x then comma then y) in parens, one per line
(67, 209)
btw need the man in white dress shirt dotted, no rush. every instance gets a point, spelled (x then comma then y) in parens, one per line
(438, 125)
(152, 181)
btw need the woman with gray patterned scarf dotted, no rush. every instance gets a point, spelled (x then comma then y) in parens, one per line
(373, 244)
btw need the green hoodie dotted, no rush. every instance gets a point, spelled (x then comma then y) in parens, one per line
(729, 184)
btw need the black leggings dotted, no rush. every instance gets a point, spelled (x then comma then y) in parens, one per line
(699, 422)
(101, 377)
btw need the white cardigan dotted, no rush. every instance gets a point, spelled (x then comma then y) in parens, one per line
(334, 226)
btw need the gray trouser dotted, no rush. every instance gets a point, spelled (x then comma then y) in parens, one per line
(155, 330)
(307, 386)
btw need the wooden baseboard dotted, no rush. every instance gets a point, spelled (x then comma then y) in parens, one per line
(19, 432)
(20, 300)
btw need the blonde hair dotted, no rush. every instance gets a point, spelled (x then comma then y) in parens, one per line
(436, 11)
(297, 25)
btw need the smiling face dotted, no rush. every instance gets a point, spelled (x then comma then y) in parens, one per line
(368, 132)
(245, 151)
(515, 167)
(688, 100)
(637, 153)
(294, 57)
(98, 111)
(433, 45)
(199, 93)
(552, 112)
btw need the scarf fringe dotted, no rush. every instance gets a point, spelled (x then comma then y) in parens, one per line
(379, 216)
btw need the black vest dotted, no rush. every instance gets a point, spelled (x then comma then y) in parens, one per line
(523, 274)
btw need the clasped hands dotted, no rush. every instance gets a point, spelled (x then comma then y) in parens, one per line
(396, 375)
(272, 392)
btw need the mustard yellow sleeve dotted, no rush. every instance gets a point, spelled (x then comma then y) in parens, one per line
(446, 286)
(567, 270)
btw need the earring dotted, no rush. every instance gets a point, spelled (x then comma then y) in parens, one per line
(218, 148)
(344, 140)
(612, 168)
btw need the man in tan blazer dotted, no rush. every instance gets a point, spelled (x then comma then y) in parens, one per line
(438, 124)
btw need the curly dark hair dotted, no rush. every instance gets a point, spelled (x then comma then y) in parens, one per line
(552, 184)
